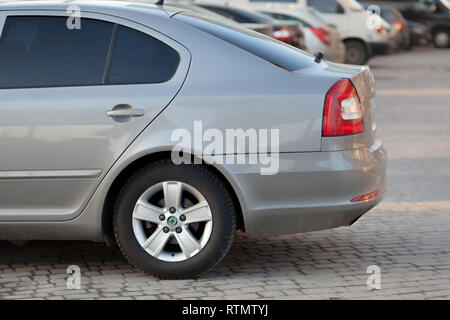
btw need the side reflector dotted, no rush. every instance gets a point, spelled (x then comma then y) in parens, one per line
(365, 197)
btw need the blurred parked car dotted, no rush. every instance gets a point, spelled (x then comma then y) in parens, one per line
(420, 33)
(349, 16)
(285, 31)
(319, 36)
(433, 13)
(398, 23)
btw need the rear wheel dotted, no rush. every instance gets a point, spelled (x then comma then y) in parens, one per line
(441, 39)
(174, 221)
(356, 52)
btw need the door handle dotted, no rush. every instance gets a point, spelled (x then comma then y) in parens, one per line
(124, 112)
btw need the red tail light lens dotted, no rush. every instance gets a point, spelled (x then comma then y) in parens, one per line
(322, 34)
(342, 114)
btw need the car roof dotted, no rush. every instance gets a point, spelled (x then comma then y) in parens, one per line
(100, 6)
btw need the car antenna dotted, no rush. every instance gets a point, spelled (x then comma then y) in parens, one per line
(159, 2)
(319, 56)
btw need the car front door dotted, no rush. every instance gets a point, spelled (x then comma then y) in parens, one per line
(71, 101)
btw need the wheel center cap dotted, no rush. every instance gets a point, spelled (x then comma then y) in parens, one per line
(172, 221)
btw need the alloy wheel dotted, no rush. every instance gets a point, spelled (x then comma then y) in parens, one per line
(172, 221)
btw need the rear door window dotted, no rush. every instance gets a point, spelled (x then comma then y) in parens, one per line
(43, 51)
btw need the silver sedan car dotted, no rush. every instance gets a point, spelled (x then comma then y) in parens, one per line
(165, 131)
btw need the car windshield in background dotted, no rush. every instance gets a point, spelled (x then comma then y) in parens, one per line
(292, 1)
(332, 6)
(325, 6)
(264, 47)
(240, 16)
(319, 16)
(353, 5)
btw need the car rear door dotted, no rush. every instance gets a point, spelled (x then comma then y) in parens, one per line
(71, 101)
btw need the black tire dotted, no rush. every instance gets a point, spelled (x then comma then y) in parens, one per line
(356, 52)
(437, 38)
(213, 190)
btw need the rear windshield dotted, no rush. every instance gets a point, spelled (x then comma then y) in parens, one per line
(264, 47)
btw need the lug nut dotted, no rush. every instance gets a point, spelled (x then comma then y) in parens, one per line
(165, 229)
(183, 217)
(172, 210)
(179, 230)
(162, 217)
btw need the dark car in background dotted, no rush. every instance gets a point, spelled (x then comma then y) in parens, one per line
(399, 25)
(435, 14)
(420, 33)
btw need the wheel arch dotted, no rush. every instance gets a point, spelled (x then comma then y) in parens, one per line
(124, 174)
(439, 27)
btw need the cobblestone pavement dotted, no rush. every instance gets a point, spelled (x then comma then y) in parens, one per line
(407, 236)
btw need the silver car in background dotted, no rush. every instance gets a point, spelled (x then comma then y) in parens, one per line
(247, 18)
(289, 32)
(97, 111)
(319, 36)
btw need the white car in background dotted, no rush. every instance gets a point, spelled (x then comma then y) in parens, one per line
(319, 36)
(361, 39)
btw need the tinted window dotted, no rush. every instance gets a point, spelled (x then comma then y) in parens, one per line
(264, 47)
(42, 51)
(139, 58)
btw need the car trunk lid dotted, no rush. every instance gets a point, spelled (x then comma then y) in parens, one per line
(363, 81)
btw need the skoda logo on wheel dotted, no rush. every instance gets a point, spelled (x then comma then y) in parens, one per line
(172, 221)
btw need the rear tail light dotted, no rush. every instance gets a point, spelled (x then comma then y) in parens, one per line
(342, 114)
(322, 34)
(398, 25)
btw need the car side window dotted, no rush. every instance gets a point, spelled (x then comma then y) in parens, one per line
(43, 51)
(140, 58)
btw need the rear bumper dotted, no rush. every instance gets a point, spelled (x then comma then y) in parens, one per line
(311, 191)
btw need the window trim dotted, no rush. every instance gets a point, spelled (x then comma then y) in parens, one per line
(99, 17)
